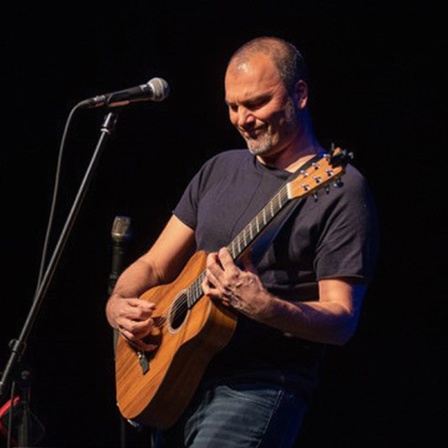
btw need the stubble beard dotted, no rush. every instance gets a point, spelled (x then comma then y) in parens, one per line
(261, 145)
(264, 143)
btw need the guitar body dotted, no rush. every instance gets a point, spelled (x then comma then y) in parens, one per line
(153, 388)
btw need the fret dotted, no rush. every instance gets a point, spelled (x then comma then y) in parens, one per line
(239, 245)
(191, 293)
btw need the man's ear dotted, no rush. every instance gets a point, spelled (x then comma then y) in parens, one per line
(301, 93)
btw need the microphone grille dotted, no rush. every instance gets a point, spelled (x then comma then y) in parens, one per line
(121, 228)
(160, 88)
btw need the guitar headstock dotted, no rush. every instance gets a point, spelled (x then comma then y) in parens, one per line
(320, 172)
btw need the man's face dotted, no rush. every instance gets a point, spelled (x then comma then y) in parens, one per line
(259, 106)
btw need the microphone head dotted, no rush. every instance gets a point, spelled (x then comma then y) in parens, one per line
(121, 229)
(160, 89)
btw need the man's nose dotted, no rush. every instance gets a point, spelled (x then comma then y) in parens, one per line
(245, 117)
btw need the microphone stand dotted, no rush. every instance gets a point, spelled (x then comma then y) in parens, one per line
(18, 346)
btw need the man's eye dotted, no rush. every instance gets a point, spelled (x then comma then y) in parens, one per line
(257, 104)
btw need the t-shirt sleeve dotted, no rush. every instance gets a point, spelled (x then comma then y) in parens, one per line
(187, 207)
(348, 244)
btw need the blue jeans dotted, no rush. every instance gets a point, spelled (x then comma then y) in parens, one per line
(237, 415)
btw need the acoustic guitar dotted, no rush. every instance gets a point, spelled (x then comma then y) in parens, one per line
(154, 388)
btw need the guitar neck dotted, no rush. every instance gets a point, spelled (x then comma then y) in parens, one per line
(251, 232)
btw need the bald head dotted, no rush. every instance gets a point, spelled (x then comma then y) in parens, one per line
(286, 58)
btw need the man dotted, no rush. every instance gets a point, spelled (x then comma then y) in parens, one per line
(304, 291)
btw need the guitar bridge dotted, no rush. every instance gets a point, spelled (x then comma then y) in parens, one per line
(143, 361)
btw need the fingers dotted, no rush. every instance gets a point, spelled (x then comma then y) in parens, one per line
(130, 309)
(143, 343)
(138, 309)
(133, 330)
(222, 272)
(240, 289)
(132, 317)
(223, 278)
(138, 333)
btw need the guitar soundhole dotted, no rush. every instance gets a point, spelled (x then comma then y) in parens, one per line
(178, 311)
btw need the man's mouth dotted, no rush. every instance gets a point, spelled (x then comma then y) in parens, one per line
(253, 134)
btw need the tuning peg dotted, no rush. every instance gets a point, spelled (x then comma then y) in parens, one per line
(338, 183)
(315, 196)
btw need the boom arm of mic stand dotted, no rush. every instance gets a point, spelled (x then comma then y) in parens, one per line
(18, 345)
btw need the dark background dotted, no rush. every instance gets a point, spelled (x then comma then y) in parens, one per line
(377, 72)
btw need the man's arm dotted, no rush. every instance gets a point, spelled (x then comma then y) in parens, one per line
(162, 263)
(332, 319)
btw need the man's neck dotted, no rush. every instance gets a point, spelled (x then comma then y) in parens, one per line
(290, 159)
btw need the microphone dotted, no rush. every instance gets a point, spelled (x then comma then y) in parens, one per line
(156, 89)
(121, 234)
